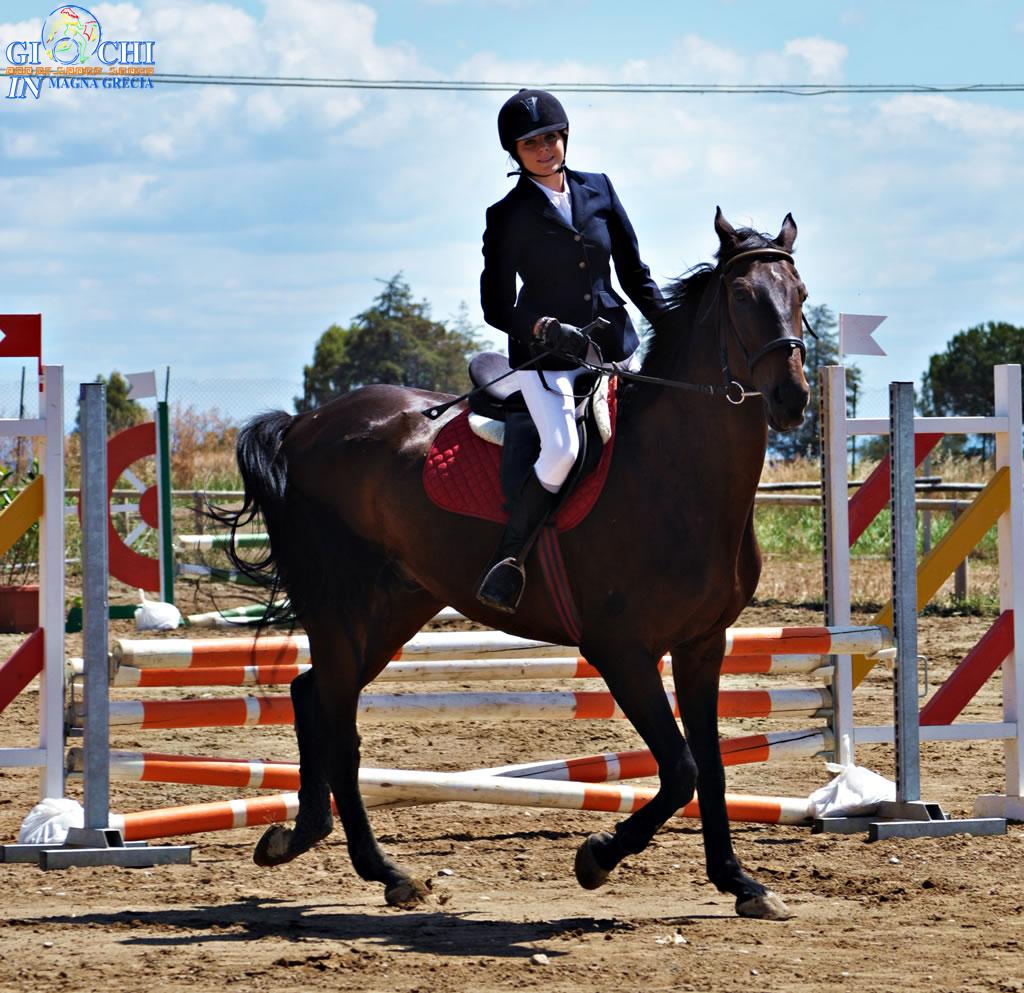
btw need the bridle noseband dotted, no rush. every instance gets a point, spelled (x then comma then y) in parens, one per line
(734, 391)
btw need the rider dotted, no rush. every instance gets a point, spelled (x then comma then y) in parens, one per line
(557, 230)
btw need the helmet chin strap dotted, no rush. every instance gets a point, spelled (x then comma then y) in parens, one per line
(523, 171)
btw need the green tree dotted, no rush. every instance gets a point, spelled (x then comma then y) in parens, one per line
(121, 412)
(322, 379)
(394, 341)
(805, 442)
(958, 381)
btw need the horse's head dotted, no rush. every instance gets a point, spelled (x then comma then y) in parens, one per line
(762, 297)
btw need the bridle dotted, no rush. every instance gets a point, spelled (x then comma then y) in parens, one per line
(733, 390)
(783, 341)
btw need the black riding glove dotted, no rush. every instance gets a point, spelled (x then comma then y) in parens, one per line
(566, 339)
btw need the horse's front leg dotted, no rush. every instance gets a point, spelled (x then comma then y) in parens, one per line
(635, 683)
(696, 673)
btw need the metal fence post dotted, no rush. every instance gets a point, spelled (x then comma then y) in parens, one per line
(93, 424)
(904, 581)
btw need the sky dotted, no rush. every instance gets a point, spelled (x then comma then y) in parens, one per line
(220, 230)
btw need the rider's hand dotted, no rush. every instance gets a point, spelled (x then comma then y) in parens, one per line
(566, 339)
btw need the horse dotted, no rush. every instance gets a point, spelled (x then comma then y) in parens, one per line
(665, 562)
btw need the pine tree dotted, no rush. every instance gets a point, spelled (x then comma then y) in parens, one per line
(393, 341)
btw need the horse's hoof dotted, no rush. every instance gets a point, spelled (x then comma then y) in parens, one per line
(588, 873)
(767, 907)
(407, 894)
(274, 847)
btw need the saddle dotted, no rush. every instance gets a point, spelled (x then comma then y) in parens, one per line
(481, 457)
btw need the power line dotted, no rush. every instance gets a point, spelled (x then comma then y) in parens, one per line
(485, 86)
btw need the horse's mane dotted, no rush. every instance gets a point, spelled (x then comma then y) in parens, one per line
(664, 342)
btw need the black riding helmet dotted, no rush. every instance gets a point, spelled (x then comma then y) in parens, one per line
(528, 114)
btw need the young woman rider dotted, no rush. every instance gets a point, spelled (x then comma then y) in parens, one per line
(558, 230)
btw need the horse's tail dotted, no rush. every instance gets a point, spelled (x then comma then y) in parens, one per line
(311, 553)
(264, 471)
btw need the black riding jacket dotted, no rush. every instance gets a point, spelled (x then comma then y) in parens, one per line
(565, 269)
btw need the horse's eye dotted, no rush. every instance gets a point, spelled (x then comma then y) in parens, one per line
(742, 289)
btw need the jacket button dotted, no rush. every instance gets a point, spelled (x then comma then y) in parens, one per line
(586, 296)
(577, 237)
(583, 265)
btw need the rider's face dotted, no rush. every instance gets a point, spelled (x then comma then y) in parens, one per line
(543, 154)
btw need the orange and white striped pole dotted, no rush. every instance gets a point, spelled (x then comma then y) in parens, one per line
(184, 653)
(404, 786)
(555, 705)
(462, 670)
(607, 767)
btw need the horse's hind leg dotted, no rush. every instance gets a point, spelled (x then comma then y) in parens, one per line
(696, 677)
(345, 659)
(313, 823)
(635, 683)
(339, 685)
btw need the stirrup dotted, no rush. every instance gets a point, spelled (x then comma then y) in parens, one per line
(502, 587)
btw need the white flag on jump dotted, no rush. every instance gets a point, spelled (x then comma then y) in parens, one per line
(142, 385)
(855, 334)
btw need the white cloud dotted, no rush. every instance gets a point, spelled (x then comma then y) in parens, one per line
(184, 128)
(98, 200)
(967, 116)
(28, 145)
(19, 31)
(824, 58)
(120, 21)
(205, 38)
(704, 62)
(265, 111)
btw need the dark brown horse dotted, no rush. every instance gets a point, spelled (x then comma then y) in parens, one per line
(666, 560)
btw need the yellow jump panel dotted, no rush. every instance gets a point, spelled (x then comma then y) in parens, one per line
(941, 562)
(24, 511)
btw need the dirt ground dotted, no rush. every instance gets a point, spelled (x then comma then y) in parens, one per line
(506, 913)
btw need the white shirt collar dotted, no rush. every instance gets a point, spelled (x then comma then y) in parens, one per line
(555, 196)
(559, 199)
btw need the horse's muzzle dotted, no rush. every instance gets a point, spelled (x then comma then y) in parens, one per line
(785, 404)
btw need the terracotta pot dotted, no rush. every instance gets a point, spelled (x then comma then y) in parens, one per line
(19, 609)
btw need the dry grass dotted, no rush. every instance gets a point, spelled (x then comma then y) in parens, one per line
(203, 450)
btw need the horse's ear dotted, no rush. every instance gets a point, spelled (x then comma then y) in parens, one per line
(725, 231)
(787, 235)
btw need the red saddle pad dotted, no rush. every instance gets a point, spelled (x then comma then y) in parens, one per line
(462, 474)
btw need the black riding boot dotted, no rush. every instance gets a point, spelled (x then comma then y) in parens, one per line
(503, 585)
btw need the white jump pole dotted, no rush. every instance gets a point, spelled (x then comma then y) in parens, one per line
(1011, 594)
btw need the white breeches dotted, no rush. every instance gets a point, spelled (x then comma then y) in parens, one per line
(554, 412)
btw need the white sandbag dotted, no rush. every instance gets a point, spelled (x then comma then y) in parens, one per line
(48, 821)
(155, 615)
(855, 790)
